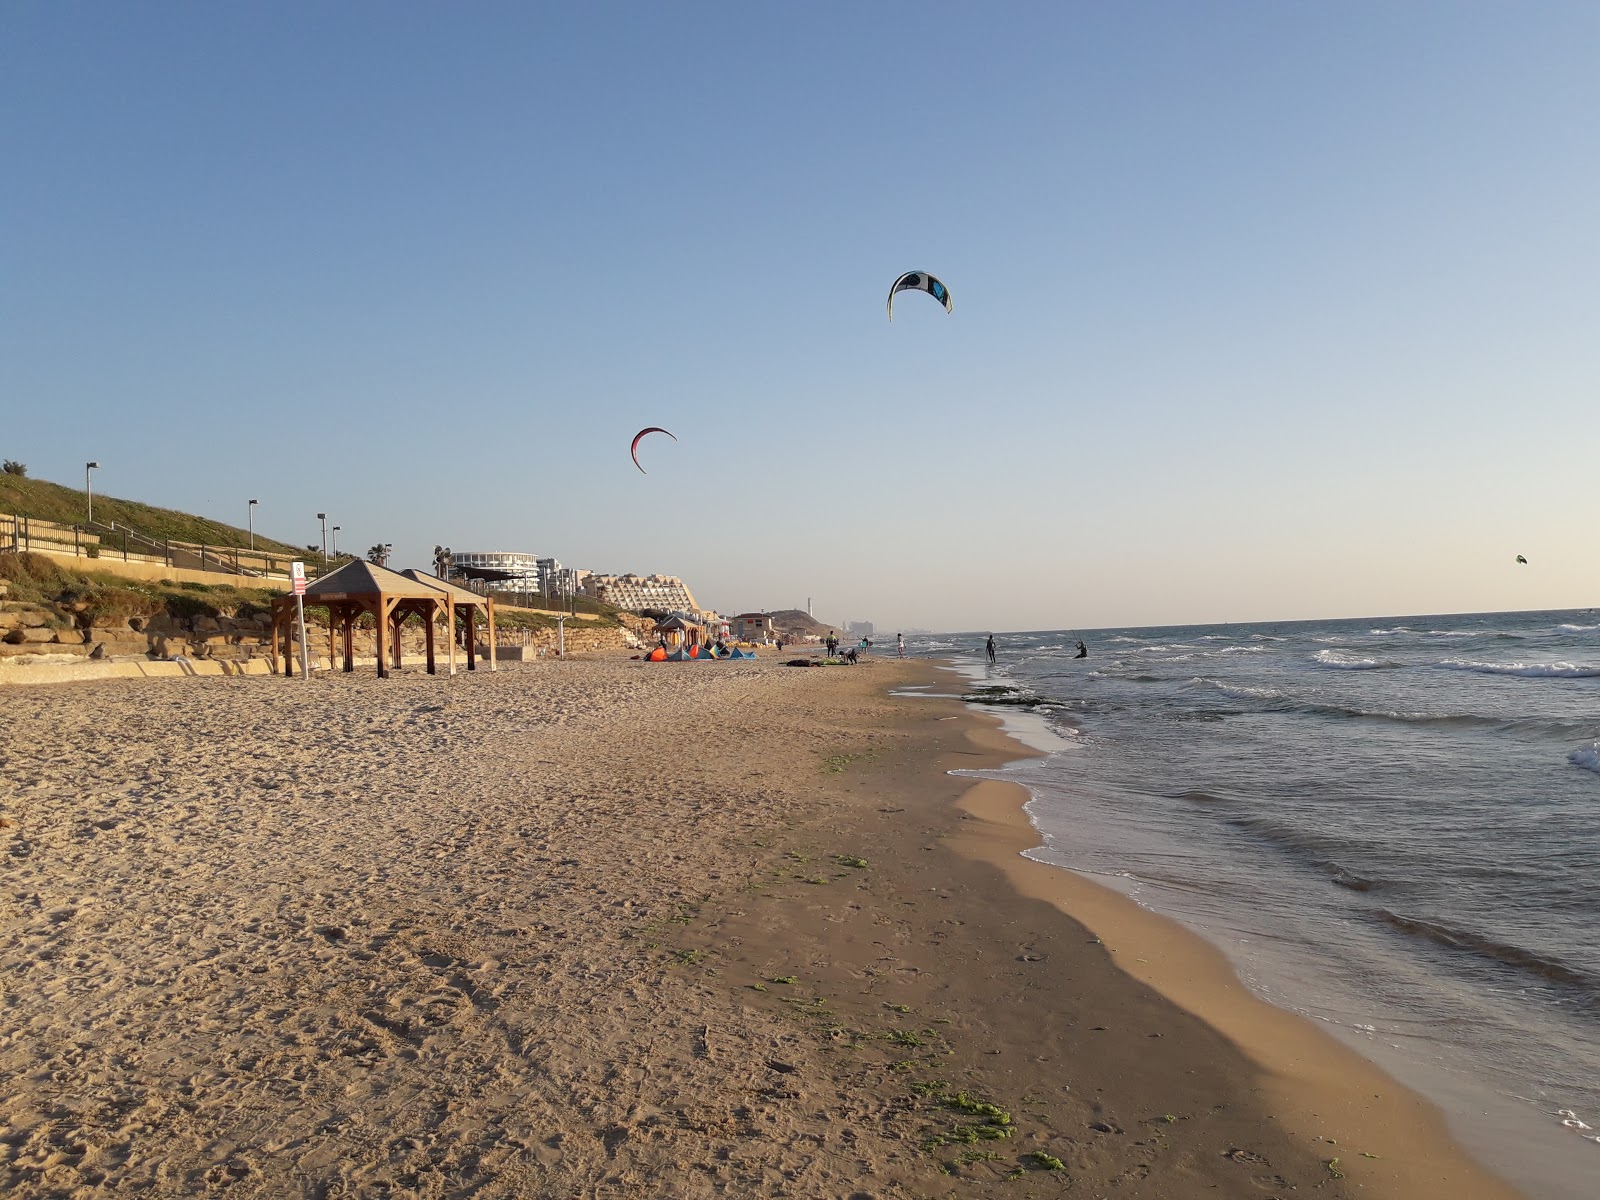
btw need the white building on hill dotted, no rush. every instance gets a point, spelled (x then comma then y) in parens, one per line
(667, 593)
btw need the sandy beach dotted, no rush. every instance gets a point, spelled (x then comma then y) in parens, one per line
(601, 929)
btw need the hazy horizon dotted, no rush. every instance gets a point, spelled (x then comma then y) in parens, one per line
(1260, 312)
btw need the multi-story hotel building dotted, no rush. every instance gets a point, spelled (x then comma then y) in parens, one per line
(667, 593)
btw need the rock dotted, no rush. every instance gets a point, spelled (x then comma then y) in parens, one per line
(69, 637)
(206, 625)
(107, 622)
(32, 618)
(160, 623)
(168, 645)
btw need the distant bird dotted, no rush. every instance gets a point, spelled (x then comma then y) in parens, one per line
(1522, 560)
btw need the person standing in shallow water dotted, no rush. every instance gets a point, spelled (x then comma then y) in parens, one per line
(989, 649)
(1083, 651)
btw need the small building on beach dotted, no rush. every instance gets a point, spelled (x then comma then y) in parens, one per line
(754, 627)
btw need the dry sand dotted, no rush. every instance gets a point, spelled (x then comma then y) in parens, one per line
(584, 929)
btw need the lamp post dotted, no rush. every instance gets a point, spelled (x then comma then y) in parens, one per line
(336, 541)
(88, 488)
(251, 509)
(323, 517)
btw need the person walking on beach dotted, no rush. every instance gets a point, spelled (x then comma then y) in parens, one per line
(900, 644)
(989, 649)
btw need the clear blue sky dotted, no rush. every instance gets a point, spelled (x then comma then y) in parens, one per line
(1262, 310)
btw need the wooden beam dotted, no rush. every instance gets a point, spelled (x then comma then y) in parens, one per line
(472, 637)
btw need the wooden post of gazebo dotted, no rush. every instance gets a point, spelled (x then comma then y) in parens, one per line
(494, 650)
(383, 627)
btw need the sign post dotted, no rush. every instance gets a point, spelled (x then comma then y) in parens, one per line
(561, 636)
(297, 572)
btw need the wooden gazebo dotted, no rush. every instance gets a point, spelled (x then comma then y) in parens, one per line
(466, 604)
(390, 596)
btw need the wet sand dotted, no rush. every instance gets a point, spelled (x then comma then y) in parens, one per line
(605, 929)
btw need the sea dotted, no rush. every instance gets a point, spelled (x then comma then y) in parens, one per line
(1391, 825)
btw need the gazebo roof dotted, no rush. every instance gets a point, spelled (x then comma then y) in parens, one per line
(358, 579)
(677, 621)
(458, 595)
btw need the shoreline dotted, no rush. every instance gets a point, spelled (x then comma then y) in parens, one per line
(587, 928)
(1395, 1142)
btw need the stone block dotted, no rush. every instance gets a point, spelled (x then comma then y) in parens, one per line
(105, 622)
(31, 634)
(160, 623)
(47, 649)
(32, 618)
(69, 637)
(207, 625)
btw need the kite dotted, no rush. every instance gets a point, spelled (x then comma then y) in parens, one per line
(634, 451)
(920, 281)
(1522, 560)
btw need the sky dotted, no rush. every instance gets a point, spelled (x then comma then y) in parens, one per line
(1262, 311)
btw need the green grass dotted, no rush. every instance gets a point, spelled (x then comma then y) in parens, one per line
(40, 579)
(46, 501)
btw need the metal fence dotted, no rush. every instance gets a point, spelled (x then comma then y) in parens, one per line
(97, 541)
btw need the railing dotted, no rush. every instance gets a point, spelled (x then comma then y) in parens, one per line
(94, 540)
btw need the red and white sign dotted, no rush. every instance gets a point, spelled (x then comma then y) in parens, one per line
(297, 572)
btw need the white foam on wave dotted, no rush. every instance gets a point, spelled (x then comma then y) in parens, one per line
(1558, 670)
(1340, 660)
(1451, 633)
(1577, 628)
(1243, 649)
(1587, 757)
(1236, 691)
(1387, 632)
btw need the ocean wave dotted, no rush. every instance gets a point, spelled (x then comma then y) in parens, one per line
(1587, 757)
(1267, 637)
(1128, 640)
(1452, 633)
(1236, 691)
(1246, 649)
(1576, 628)
(1558, 670)
(1503, 953)
(1398, 629)
(1340, 660)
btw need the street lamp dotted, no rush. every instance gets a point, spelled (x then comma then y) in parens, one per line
(251, 509)
(88, 488)
(336, 541)
(323, 517)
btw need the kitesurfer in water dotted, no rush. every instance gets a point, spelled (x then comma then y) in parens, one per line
(1083, 651)
(989, 649)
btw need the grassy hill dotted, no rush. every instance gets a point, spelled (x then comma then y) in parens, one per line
(46, 501)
